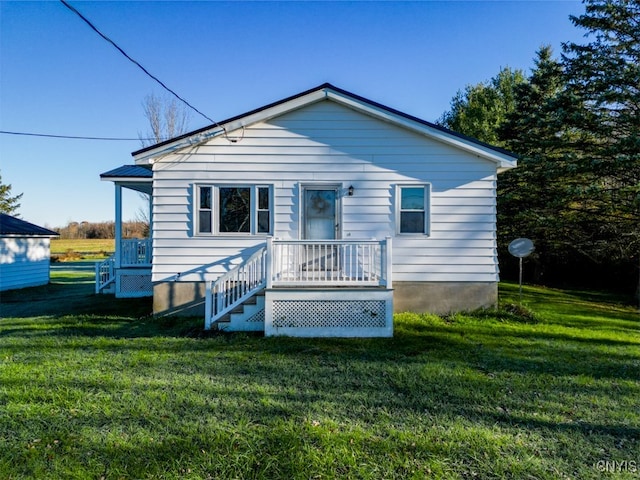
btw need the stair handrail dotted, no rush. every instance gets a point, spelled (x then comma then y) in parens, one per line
(235, 287)
(105, 273)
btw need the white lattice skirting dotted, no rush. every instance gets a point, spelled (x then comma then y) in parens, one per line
(133, 283)
(329, 313)
(257, 318)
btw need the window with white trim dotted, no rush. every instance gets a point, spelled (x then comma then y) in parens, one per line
(233, 209)
(413, 209)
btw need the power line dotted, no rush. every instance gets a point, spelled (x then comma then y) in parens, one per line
(95, 29)
(73, 137)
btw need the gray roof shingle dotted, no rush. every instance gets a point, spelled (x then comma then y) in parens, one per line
(14, 226)
(130, 171)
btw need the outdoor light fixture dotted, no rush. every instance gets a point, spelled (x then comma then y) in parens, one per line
(350, 190)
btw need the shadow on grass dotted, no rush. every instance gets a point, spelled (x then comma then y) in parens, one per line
(494, 351)
(493, 345)
(69, 295)
(574, 307)
(259, 404)
(275, 387)
(614, 299)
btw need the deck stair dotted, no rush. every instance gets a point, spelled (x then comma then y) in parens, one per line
(306, 288)
(246, 317)
(230, 296)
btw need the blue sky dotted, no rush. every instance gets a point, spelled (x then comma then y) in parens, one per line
(57, 76)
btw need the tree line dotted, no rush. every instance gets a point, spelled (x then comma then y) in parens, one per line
(574, 122)
(91, 230)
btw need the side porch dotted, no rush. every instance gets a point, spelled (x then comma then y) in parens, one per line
(127, 273)
(340, 288)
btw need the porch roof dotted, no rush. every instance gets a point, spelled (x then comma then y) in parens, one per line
(128, 171)
(134, 177)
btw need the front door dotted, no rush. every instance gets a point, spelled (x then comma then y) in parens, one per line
(320, 221)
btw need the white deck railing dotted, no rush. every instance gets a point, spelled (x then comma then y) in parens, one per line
(330, 263)
(135, 252)
(105, 273)
(300, 263)
(235, 287)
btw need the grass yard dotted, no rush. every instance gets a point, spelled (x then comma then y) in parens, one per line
(77, 249)
(90, 387)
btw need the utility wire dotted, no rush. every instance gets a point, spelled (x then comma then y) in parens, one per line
(95, 29)
(73, 137)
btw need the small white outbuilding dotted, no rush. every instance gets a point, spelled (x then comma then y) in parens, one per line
(25, 253)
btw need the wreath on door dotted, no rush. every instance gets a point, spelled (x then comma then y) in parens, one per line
(318, 203)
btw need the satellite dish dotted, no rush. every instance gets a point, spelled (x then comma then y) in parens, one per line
(521, 247)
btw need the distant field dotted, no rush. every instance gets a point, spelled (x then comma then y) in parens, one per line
(82, 248)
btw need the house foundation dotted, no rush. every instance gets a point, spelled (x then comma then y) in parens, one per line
(187, 299)
(443, 297)
(183, 299)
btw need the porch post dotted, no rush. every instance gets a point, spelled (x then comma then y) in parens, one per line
(208, 305)
(118, 226)
(151, 215)
(269, 263)
(389, 263)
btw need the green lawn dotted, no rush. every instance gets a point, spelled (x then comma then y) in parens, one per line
(64, 249)
(99, 390)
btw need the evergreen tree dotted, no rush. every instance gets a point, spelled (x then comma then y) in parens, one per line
(576, 127)
(8, 204)
(532, 198)
(603, 107)
(520, 114)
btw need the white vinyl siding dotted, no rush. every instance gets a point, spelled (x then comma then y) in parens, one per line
(24, 262)
(327, 143)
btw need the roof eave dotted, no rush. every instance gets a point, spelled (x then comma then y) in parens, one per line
(106, 178)
(29, 235)
(505, 160)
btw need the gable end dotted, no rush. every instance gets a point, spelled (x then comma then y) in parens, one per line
(327, 92)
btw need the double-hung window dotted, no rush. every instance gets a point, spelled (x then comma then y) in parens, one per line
(413, 209)
(233, 209)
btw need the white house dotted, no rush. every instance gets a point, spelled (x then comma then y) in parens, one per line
(319, 214)
(24, 253)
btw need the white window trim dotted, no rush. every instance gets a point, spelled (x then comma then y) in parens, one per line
(215, 211)
(427, 209)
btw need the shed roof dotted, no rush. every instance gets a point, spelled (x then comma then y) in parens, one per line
(128, 171)
(133, 177)
(15, 226)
